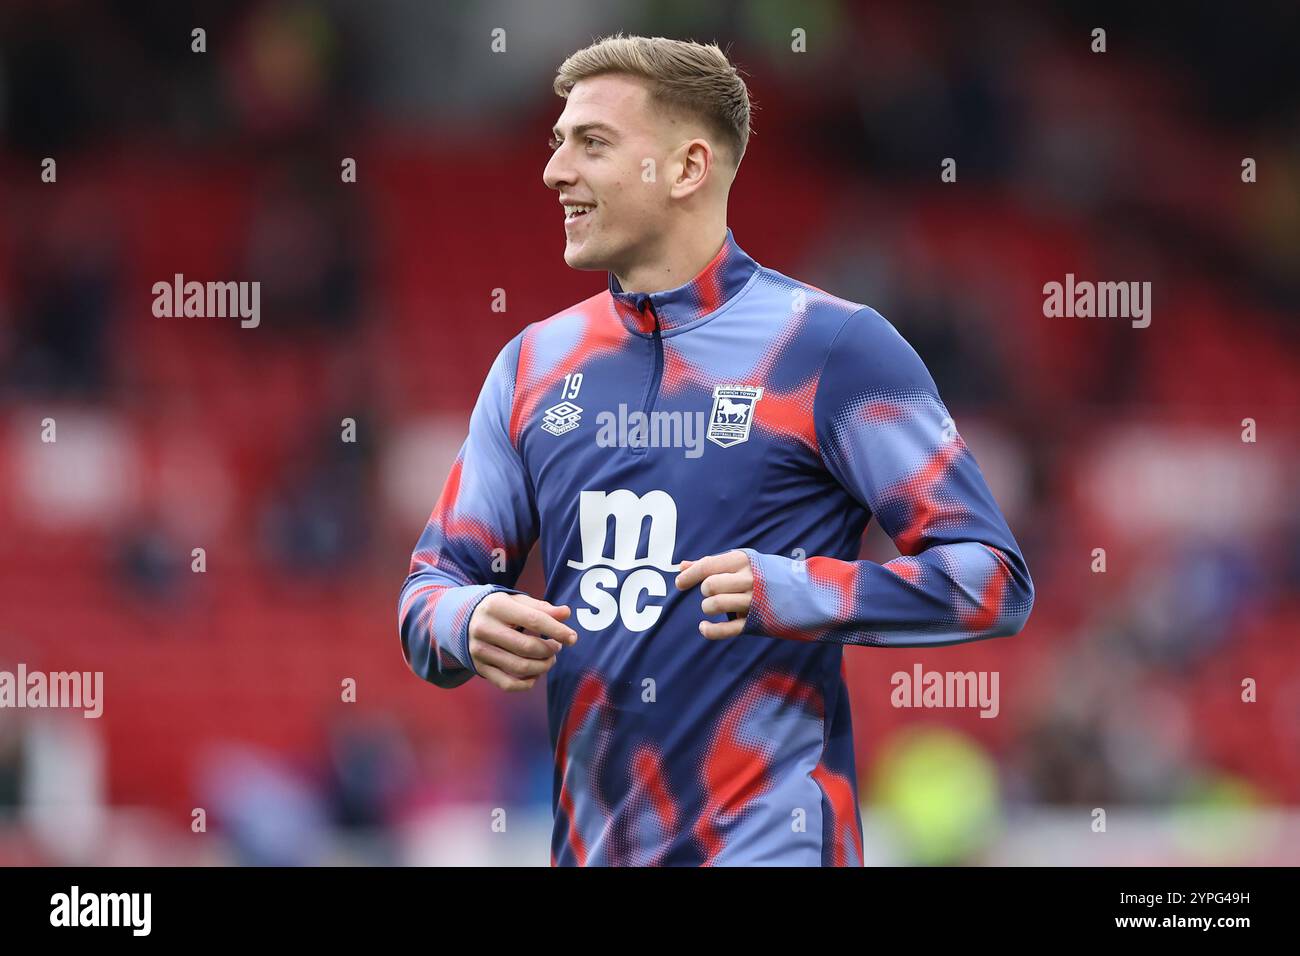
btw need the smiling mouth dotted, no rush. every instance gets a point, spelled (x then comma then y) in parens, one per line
(575, 212)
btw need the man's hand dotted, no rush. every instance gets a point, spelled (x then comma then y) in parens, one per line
(727, 584)
(513, 638)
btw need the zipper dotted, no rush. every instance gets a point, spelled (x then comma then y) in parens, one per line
(652, 393)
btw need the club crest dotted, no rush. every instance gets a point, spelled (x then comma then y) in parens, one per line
(733, 413)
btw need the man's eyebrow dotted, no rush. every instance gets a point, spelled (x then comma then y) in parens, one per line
(582, 128)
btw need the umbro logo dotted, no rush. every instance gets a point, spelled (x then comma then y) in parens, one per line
(562, 418)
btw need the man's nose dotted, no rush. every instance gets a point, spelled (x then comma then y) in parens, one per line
(557, 173)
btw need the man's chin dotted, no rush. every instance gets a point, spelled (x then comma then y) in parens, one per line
(580, 257)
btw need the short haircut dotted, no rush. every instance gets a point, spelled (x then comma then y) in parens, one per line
(691, 78)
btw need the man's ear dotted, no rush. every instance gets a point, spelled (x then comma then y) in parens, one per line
(696, 167)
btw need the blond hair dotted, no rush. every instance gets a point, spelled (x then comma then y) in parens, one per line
(685, 76)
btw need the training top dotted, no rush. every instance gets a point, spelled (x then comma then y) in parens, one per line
(633, 431)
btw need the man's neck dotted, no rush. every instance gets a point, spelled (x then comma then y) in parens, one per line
(681, 262)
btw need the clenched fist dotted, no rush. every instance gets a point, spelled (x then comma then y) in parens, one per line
(514, 638)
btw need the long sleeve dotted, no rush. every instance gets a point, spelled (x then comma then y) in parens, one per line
(477, 538)
(886, 437)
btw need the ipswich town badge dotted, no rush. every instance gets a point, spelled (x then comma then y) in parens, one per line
(733, 413)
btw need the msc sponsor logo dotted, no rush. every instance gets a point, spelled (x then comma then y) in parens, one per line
(631, 602)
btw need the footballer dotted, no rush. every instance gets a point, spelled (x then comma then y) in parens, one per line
(697, 607)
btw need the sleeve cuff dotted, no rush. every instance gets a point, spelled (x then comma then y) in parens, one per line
(767, 570)
(462, 615)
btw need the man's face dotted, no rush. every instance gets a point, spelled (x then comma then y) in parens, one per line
(607, 131)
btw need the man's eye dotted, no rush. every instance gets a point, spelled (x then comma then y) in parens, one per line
(553, 143)
(591, 140)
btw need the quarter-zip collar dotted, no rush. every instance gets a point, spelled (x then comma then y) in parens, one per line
(721, 280)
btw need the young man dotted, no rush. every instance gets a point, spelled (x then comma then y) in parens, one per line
(699, 448)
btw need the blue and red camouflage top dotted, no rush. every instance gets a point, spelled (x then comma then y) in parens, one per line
(744, 409)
